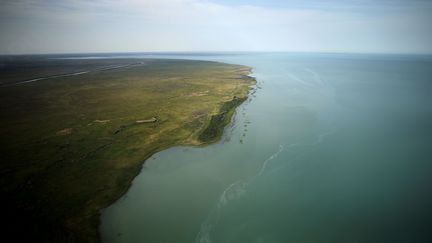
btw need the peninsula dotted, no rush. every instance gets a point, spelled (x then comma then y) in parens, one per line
(75, 132)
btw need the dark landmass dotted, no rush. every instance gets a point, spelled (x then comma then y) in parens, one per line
(215, 127)
(73, 138)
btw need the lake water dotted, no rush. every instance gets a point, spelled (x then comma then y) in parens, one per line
(331, 148)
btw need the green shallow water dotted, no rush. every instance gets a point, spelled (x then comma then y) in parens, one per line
(331, 148)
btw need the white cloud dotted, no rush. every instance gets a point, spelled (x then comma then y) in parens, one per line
(148, 25)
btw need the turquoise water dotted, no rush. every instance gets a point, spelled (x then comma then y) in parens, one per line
(330, 148)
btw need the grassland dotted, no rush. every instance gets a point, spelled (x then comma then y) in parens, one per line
(71, 145)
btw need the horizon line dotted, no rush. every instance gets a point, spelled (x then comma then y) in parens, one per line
(215, 52)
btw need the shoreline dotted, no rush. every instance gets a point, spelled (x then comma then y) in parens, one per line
(196, 142)
(75, 144)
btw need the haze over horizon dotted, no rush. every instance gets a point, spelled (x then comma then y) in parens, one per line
(77, 26)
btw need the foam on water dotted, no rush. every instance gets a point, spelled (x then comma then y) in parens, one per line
(239, 188)
(299, 80)
(233, 192)
(316, 77)
(273, 156)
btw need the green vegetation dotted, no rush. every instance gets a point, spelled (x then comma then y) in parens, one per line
(71, 146)
(214, 129)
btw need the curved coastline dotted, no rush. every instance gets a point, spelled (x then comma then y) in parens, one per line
(216, 125)
(91, 134)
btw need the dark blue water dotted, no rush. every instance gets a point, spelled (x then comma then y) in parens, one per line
(331, 148)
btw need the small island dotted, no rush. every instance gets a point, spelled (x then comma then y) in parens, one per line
(76, 132)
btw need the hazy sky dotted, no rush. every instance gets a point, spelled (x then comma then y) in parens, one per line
(59, 26)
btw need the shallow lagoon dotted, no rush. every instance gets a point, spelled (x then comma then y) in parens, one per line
(330, 148)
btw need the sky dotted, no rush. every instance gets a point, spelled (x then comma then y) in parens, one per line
(83, 26)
